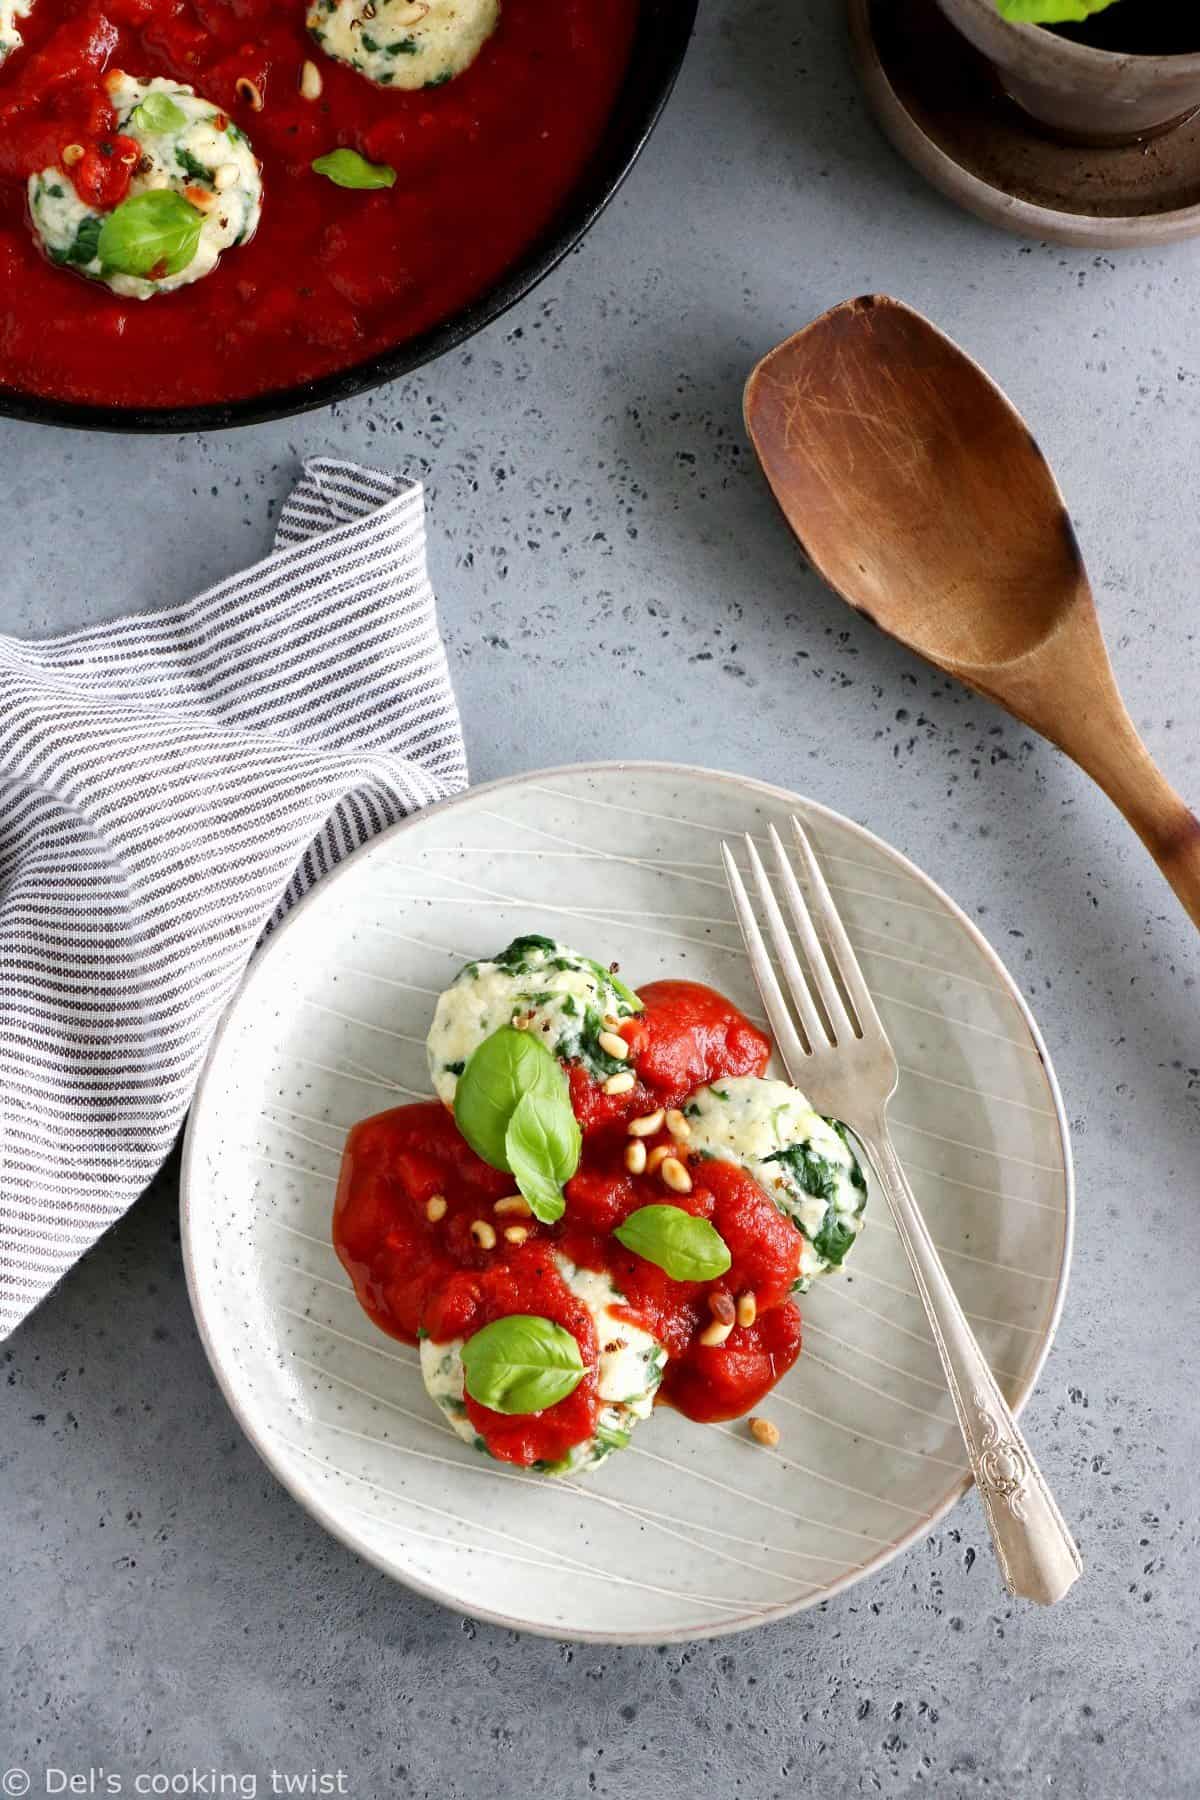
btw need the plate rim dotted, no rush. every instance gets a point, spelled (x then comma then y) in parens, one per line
(306, 1495)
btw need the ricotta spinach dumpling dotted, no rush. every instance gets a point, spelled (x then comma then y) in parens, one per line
(572, 1004)
(194, 191)
(10, 35)
(629, 1370)
(802, 1161)
(404, 43)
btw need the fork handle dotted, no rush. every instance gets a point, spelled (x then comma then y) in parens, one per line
(1036, 1552)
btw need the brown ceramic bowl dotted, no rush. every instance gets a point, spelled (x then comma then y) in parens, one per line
(1088, 96)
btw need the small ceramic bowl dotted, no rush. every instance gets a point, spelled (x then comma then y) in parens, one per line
(1085, 95)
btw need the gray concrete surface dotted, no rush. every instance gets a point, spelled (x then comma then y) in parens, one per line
(592, 502)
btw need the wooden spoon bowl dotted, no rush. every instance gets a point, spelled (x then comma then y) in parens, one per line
(917, 490)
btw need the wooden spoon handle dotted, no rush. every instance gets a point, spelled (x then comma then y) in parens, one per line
(1119, 760)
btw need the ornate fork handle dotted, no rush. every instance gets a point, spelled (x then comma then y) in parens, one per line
(1036, 1552)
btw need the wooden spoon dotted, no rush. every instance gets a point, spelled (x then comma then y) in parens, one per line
(919, 493)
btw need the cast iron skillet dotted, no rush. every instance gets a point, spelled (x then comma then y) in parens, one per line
(662, 35)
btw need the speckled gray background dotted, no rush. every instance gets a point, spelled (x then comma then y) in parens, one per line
(594, 511)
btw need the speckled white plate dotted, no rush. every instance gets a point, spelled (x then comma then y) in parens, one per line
(694, 1530)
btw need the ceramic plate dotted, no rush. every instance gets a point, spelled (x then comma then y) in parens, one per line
(694, 1530)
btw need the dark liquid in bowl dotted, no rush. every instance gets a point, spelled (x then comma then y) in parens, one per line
(1143, 27)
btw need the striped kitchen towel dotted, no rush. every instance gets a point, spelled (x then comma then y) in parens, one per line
(170, 784)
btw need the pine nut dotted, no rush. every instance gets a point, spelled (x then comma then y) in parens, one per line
(513, 1203)
(249, 92)
(747, 1309)
(225, 176)
(483, 1234)
(715, 1334)
(610, 1021)
(515, 1234)
(676, 1176)
(657, 1158)
(635, 1156)
(647, 1125)
(612, 1045)
(72, 153)
(435, 1208)
(763, 1432)
(624, 1083)
(310, 82)
(721, 1307)
(677, 1125)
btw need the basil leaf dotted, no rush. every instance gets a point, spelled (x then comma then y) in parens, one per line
(152, 232)
(689, 1249)
(521, 1364)
(499, 1073)
(347, 169)
(542, 1145)
(157, 113)
(1049, 12)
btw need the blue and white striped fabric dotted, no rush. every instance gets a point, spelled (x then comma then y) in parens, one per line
(170, 784)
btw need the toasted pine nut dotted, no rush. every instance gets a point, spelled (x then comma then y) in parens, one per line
(612, 1045)
(677, 1125)
(225, 176)
(747, 1309)
(635, 1156)
(435, 1208)
(624, 1083)
(414, 14)
(513, 1203)
(657, 1158)
(763, 1432)
(483, 1234)
(715, 1334)
(676, 1176)
(249, 92)
(610, 1021)
(310, 82)
(72, 153)
(721, 1307)
(515, 1234)
(647, 1125)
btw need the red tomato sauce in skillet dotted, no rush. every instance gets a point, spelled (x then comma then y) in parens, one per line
(333, 275)
(415, 1275)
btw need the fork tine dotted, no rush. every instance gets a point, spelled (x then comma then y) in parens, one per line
(814, 1026)
(843, 950)
(839, 1019)
(787, 1037)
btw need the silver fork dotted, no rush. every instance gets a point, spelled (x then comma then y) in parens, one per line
(850, 1063)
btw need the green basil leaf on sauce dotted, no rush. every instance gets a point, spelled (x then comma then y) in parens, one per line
(521, 1364)
(541, 1145)
(156, 114)
(689, 1249)
(347, 169)
(499, 1073)
(155, 233)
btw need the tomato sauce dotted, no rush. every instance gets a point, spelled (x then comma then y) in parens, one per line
(414, 1275)
(333, 275)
